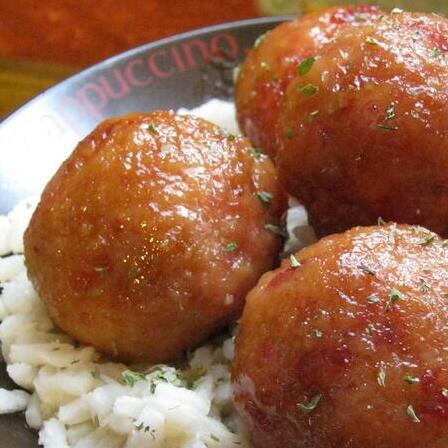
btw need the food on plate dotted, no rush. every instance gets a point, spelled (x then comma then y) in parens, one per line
(149, 236)
(277, 58)
(363, 134)
(345, 345)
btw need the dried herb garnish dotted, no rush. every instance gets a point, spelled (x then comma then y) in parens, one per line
(310, 405)
(306, 65)
(394, 296)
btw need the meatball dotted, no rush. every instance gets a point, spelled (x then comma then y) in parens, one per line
(274, 61)
(149, 236)
(364, 133)
(346, 344)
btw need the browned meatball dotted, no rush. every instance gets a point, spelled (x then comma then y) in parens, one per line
(149, 236)
(364, 134)
(274, 61)
(348, 346)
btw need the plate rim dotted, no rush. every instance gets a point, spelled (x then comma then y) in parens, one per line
(141, 48)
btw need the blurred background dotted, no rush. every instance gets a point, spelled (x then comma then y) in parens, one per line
(44, 42)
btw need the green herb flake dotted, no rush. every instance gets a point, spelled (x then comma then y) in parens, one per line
(289, 133)
(436, 53)
(381, 377)
(276, 229)
(390, 112)
(424, 285)
(371, 41)
(394, 296)
(195, 314)
(445, 392)
(293, 261)
(231, 137)
(360, 18)
(445, 295)
(316, 333)
(386, 127)
(231, 247)
(411, 414)
(130, 377)
(306, 65)
(411, 379)
(312, 115)
(151, 128)
(265, 197)
(428, 240)
(391, 237)
(308, 407)
(373, 298)
(257, 153)
(308, 90)
(215, 438)
(366, 269)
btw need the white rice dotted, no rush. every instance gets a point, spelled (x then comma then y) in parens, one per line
(75, 398)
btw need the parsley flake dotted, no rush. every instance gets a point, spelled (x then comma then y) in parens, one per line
(289, 133)
(390, 112)
(424, 285)
(130, 377)
(312, 115)
(306, 65)
(265, 197)
(231, 137)
(231, 247)
(411, 379)
(411, 414)
(428, 240)
(436, 53)
(308, 407)
(386, 127)
(276, 229)
(257, 153)
(360, 18)
(366, 269)
(309, 90)
(215, 438)
(151, 128)
(394, 296)
(372, 41)
(293, 261)
(381, 378)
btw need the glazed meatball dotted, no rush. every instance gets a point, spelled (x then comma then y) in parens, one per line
(346, 344)
(274, 61)
(149, 236)
(364, 133)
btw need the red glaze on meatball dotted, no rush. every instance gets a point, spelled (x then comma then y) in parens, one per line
(273, 62)
(149, 236)
(348, 348)
(364, 133)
